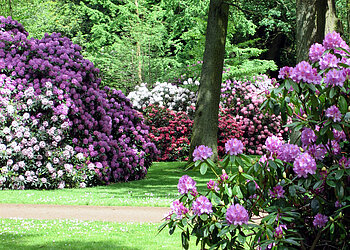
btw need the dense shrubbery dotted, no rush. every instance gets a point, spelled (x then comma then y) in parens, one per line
(242, 99)
(172, 110)
(163, 95)
(303, 192)
(99, 125)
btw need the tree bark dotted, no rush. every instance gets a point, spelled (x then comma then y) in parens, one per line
(310, 25)
(205, 127)
(138, 46)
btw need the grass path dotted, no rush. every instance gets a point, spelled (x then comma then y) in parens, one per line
(158, 189)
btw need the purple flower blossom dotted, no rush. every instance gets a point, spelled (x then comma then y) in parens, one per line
(277, 192)
(320, 220)
(234, 146)
(339, 136)
(237, 215)
(303, 71)
(329, 61)
(186, 184)
(333, 112)
(201, 153)
(212, 185)
(315, 52)
(304, 164)
(307, 137)
(223, 176)
(335, 77)
(317, 151)
(179, 209)
(285, 72)
(202, 206)
(279, 231)
(288, 152)
(273, 143)
(333, 40)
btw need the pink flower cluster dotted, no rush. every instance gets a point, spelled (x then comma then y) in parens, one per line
(202, 205)
(234, 147)
(237, 215)
(201, 153)
(186, 184)
(304, 164)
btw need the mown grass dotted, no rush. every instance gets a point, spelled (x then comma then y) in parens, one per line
(158, 189)
(74, 234)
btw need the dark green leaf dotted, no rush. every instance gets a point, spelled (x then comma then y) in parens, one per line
(203, 168)
(247, 176)
(332, 93)
(343, 105)
(292, 191)
(339, 174)
(204, 217)
(318, 184)
(184, 240)
(315, 205)
(340, 191)
(337, 126)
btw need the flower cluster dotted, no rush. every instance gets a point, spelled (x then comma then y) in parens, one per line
(242, 99)
(237, 215)
(100, 123)
(201, 153)
(302, 189)
(164, 95)
(171, 131)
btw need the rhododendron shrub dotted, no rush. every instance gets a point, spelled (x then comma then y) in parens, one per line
(171, 131)
(164, 95)
(35, 147)
(102, 125)
(300, 192)
(242, 100)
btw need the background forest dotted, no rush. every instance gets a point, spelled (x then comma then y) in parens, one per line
(134, 41)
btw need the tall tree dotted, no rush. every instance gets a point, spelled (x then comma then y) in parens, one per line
(206, 117)
(315, 18)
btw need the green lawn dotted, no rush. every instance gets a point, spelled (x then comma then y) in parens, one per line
(74, 234)
(158, 189)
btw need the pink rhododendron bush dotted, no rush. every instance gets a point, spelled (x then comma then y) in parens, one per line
(300, 192)
(169, 112)
(58, 127)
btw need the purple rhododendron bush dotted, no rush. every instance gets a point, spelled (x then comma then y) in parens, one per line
(58, 128)
(294, 196)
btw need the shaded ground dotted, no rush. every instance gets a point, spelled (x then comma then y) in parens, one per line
(92, 213)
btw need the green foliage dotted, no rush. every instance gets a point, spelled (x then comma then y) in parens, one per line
(301, 193)
(155, 40)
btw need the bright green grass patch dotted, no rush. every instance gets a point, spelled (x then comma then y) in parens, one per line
(158, 189)
(75, 234)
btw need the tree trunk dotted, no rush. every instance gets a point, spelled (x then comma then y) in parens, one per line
(310, 25)
(205, 127)
(315, 18)
(332, 21)
(138, 46)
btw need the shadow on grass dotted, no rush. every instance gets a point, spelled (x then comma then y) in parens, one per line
(29, 241)
(162, 179)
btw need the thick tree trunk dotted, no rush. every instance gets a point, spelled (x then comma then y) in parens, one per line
(310, 25)
(205, 126)
(138, 46)
(315, 18)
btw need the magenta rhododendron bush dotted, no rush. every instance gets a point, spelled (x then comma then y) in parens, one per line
(295, 196)
(59, 128)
